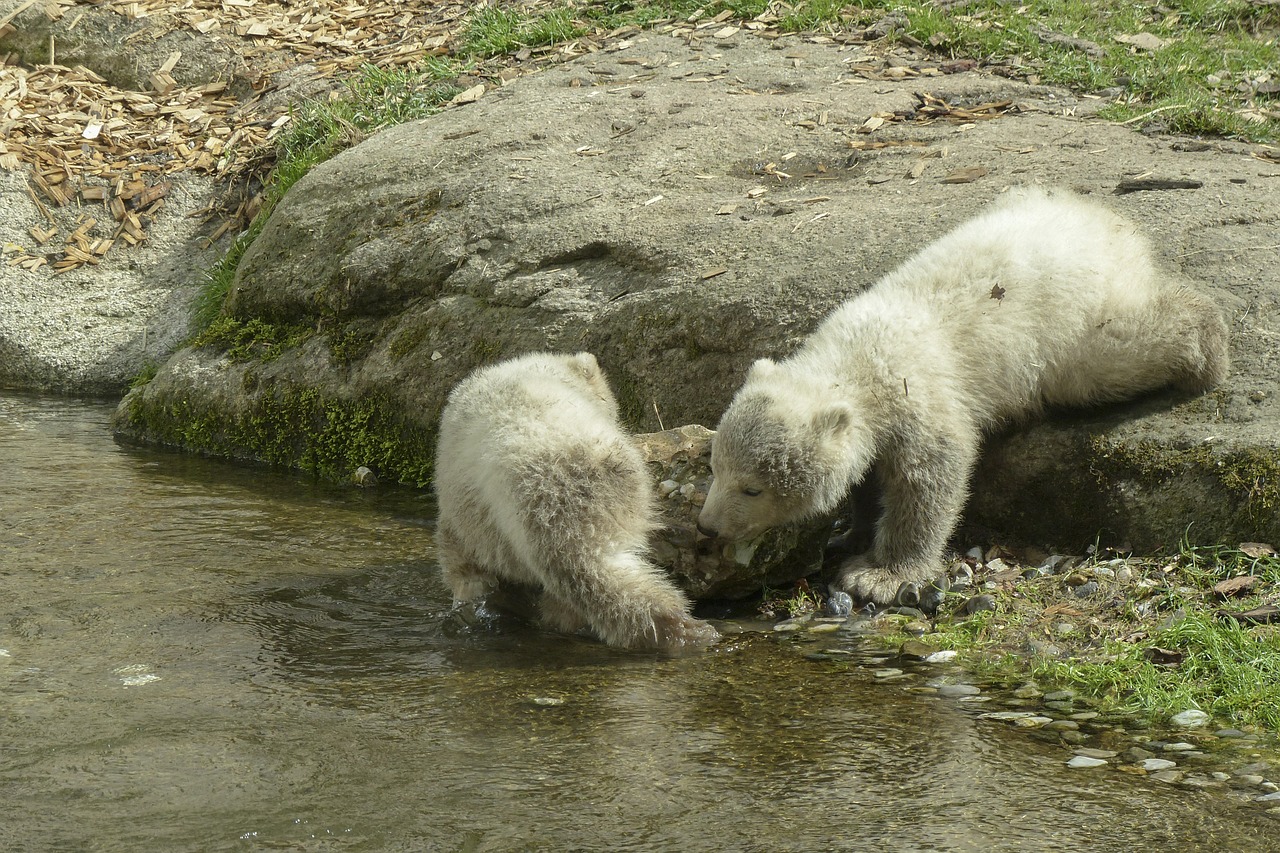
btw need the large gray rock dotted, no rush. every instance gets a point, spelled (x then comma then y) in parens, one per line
(683, 209)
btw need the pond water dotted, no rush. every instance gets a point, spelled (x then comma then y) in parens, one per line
(203, 657)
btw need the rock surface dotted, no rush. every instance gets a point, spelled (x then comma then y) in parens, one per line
(681, 209)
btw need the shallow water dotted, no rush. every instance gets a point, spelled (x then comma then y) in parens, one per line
(203, 657)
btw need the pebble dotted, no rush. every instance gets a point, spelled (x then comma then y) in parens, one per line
(1028, 691)
(1059, 696)
(1033, 722)
(888, 672)
(1269, 786)
(838, 604)
(1082, 716)
(1180, 746)
(1086, 761)
(1230, 733)
(1154, 765)
(944, 656)
(1086, 589)
(1103, 572)
(1006, 715)
(825, 627)
(1137, 755)
(977, 604)
(1074, 738)
(1274, 796)
(952, 691)
(788, 625)
(667, 487)
(1247, 780)
(1169, 776)
(1097, 753)
(1190, 719)
(1062, 726)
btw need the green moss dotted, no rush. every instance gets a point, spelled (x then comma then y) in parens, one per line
(350, 345)
(297, 428)
(408, 340)
(252, 340)
(1251, 477)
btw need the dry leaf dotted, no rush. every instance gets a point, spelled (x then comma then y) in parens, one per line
(965, 176)
(1257, 549)
(1162, 657)
(1234, 586)
(1265, 614)
(997, 292)
(470, 96)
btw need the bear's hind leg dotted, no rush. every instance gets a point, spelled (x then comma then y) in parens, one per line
(466, 579)
(1177, 338)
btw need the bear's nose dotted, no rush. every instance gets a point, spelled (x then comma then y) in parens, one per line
(707, 532)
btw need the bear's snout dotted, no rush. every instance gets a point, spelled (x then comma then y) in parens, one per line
(707, 531)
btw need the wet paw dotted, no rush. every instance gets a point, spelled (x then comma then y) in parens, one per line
(868, 582)
(677, 631)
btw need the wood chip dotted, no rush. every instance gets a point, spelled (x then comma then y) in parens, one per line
(712, 273)
(1145, 184)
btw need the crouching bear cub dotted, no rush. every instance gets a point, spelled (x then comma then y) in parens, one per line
(1043, 299)
(539, 486)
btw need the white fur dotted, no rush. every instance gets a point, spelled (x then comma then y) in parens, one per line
(539, 486)
(1044, 299)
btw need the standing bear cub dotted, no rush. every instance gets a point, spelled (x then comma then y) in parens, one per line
(1044, 299)
(538, 486)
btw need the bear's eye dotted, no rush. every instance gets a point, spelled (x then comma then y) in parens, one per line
(751, 493)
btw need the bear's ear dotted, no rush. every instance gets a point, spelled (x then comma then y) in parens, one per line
(834, 420)
(585, 363)
(762, 369)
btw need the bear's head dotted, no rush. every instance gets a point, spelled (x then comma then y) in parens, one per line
(788, 447)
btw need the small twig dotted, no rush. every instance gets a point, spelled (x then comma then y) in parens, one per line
(1229, 249)
(659, 416)
(1153, 112)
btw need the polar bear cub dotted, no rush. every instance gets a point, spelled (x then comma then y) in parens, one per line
(539, 486)
(1043, 299)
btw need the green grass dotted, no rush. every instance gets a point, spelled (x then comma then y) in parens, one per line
(496, 30)
(1190, 85)
(377, 98)
(1226, 668)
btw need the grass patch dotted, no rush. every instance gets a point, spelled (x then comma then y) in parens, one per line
(1154, 641)
(1209, 71)
(375, 99)
(497, 30)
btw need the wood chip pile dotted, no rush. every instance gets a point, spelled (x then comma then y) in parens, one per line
(101, 157)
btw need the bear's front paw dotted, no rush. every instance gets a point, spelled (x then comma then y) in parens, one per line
(676, 631)
(866, 581)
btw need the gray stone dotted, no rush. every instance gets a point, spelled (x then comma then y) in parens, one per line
(1084, 761)
(487, 231)
(1190, 719)
(1152, 765)
(958, 690)
(1097, 753)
